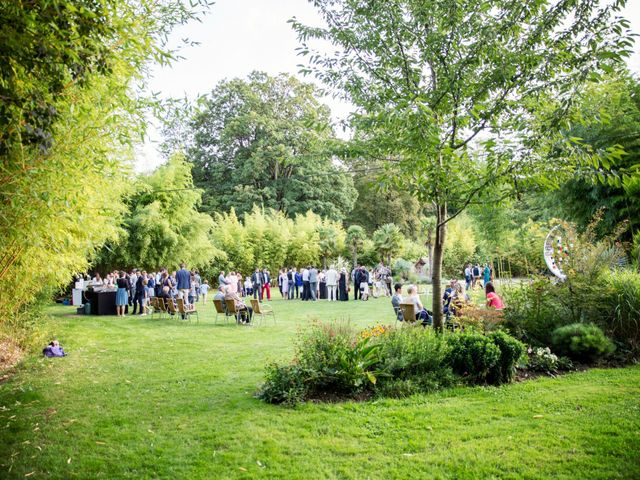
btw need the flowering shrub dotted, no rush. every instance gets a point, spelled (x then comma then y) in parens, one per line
(333, 359)
(542, 360)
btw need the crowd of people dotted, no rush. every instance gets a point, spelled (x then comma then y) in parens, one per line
(136, 287)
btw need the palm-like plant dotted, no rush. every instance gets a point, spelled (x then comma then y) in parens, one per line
(387, 240)
(355, 240)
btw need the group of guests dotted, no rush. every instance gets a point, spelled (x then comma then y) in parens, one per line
(474, 273)
(136, 287)
(454, 299)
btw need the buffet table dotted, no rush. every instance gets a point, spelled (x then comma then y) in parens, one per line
(103, 302)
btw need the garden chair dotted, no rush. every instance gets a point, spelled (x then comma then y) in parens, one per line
(262, 310)
(171, 306)
(408, 312)
(232, 310)
(187, 310)
(220, 310)
(162, 308)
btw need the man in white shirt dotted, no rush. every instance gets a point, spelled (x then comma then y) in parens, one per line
(332, 283)
(306, 294)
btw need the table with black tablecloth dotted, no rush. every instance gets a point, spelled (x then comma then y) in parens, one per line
(102, 302)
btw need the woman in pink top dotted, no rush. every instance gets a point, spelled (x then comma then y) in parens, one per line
(493, 299)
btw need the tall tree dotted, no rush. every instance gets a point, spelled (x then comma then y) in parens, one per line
(163, 227)
(355, 240)
(387, 240)
(264, 141)
(69, 115)
(446, 90)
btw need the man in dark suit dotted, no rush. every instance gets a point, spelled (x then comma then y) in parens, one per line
(258, 280)
(138, 299)
(183, 278)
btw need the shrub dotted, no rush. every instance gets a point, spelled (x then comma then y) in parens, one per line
(472, 356)
(533, 311)
(542, 360)
(510, 352)
(622, 307)
(415, 355)
(336, 362)
(584, 342)
(284, 384)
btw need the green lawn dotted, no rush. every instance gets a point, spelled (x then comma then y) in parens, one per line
(146, 398)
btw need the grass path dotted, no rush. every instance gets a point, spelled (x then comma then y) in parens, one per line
(146, 398)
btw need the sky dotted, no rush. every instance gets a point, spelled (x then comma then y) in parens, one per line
(239, 36)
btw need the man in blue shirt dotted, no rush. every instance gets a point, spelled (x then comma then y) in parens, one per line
(183, 278)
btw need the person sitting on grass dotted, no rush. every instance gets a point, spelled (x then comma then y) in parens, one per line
(246, 312)
(493, 299)
(420, 312)
(396, 300)
(53, 350)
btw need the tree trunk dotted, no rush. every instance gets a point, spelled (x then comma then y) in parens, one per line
(430, 259)
(438, 250)
(355, 258)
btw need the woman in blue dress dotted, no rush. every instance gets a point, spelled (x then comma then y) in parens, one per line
(122, 296)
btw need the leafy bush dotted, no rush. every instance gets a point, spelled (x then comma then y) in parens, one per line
(542, 360)
(582, 342)
(533, 311)
(336, 362)
(284, 384)
(417, 356)
(473, 356)
(510, 352)
(331, 359)
(621, 307)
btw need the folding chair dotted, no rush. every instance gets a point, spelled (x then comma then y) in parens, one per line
(220, 310)
(186, 312)
(162, 308)
(262, 310)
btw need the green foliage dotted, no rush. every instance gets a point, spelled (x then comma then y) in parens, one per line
(511, 351)
(68, 119)
(265, 141)
(607, 119)
(429, 81)
(473, 356)
(388, 241)
(356, 237)
(402, 268)
(285, 384)
(413, 360)
(377, 206)
(542, 360)
(620, 306)
(163, 227)
(335, 362)
(460, 246)
(584, 342)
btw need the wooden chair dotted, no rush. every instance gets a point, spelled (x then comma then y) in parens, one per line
(155, 308)
(408, 312)
(187, 310)
(232, 310)
(262, 310)
(220, 310)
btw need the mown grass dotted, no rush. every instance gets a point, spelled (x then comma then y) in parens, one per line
(147, 398)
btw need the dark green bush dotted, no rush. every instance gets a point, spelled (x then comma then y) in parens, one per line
(510, 352)
(472, 356)
(284, 384)
(583, 342)
(413, 360)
